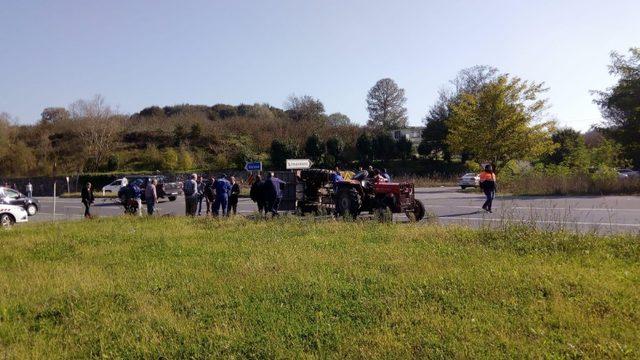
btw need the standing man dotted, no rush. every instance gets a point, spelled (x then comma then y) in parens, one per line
(273, 193)
(29, 189)
(488, 186)
(210, 194)
(200, 189)
(223, 188)
(257, 194)
(87, 199)
(190, 189)
(151, 196)
(386, 175)
(233, 196)
(137, 194)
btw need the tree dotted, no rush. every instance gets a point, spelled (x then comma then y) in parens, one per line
(405, 147)
(304, 108)
(385, 103)
(434, 136)
(500, 122)
(567, 141)
(335, 147)
(314, 148)
(98, 127)
(384, 146)
(620, 104)
(280, 152)
(196, 132)
(51, 115)
(338, 119)
(179, 135)
(364, 146)
(185, 159)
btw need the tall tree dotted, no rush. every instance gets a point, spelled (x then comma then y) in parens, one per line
(335, 147)
(500, 122)
(98, 128)
(385, 103)
(434, 136)
(338, 119)
(314, 148)
(304, 108)
(280, 152)
(620, 104)
(364, 145)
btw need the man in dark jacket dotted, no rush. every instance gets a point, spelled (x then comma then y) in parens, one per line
(257, 194)
(223, 187)
(210, 194)
(87, 199)
(233, 196)
(273, 193)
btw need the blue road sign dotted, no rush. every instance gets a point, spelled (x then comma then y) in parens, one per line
(253, 166)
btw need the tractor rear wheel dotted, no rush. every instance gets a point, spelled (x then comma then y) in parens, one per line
(348, 203)
(417, 212)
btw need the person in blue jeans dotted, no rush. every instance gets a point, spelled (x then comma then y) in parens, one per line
(223, 188)
(273, 193)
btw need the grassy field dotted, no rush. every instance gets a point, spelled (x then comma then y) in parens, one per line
(201, 288)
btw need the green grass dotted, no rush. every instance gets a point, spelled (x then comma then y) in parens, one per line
(201, 288)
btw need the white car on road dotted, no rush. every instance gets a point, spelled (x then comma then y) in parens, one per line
(11, 214)
(115, 186)
(469, 180)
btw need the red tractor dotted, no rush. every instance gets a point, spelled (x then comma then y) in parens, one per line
(364, 195)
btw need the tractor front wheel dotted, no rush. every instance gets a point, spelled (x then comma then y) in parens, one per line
(417, 212)
(348, 203)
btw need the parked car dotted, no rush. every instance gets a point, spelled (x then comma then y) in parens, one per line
(165, 189)
(11, 214)
(14, 197)
(115, 186)
(469, 180)
(628, 173)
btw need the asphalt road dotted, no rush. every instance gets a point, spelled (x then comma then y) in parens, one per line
(603, 214)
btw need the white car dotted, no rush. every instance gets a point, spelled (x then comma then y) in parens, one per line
(11, 214)
(115, 186)
(469, 180)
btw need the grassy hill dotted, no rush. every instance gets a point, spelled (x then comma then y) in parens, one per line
(178, 288)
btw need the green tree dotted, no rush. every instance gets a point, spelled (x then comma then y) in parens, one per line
(304, 108)
(280, 152)
(405, 148)
(384, 146)
(434, 136)
(185, 159)
(620, 104)
(567, 141)
(314, 148)
(179, 135)
(385, 103)
(335, 147)
(500, 122)
(338, 119)
(364, 146)
(169, 159)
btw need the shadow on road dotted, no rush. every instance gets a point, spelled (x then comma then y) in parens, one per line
(463, 214)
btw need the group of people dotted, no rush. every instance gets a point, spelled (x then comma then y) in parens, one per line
(219, 195)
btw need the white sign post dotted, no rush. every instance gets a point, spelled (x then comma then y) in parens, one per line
(299, 164)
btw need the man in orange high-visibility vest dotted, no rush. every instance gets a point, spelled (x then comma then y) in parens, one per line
(488, 185)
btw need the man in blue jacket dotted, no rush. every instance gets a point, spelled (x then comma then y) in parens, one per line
(223, 188)
(273, 193)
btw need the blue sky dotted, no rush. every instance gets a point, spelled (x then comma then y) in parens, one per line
(142, 53)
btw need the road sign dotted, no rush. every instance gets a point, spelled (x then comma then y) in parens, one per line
(298, 164)
(253, 166)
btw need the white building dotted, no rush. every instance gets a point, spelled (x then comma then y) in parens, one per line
(412, 133)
